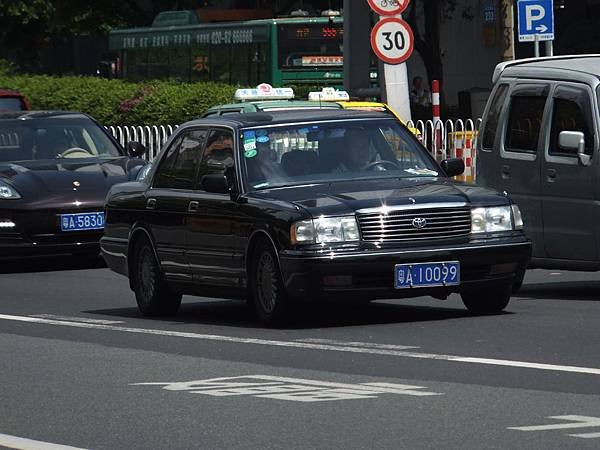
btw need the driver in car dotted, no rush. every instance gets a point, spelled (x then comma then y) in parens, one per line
(359, 153)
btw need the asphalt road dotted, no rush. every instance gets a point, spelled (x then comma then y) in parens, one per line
(81, 368)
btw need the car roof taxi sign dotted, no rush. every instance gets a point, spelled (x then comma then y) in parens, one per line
(329, 94)
(263, 91)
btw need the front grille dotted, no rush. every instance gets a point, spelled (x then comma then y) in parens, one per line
(399, 225)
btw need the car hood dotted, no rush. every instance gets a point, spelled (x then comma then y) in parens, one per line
(341, 198)
(48, 177)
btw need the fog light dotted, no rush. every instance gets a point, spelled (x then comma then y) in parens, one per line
(5, 223)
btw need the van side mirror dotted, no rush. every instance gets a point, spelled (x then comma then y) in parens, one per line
(575, 141)
(216, 183)
(453, 166)
(136, 149)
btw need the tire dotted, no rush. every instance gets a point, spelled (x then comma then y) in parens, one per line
(153, 296)
(267, 295)
(487, 301)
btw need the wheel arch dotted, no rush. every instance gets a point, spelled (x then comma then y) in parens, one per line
(257, 236)
(138, 232)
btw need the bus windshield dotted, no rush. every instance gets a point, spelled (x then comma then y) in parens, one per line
(310, 45)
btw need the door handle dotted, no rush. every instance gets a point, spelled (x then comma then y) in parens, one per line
(151, 203)
(193, 207)
(551, 174)
(505, 171)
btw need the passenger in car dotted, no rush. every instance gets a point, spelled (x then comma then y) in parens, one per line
(263, 167)
(358, 151)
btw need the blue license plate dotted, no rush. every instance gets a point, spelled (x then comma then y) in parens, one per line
(82, 221)
(427, 274)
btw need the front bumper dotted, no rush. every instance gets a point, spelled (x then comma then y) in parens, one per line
(370, 273)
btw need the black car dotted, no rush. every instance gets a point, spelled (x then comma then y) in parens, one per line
(290, 206)
(55, 171)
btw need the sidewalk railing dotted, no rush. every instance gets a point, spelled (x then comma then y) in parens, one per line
(443, 139)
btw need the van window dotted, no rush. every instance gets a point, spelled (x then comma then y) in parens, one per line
(571, 112)
(524, 123)
(491, 124)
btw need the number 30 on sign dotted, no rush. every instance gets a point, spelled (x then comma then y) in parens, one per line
(392, 40)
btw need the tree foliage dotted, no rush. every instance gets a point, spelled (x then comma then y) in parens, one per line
(26, 26)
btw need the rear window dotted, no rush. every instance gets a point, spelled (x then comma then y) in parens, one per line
(11, 104)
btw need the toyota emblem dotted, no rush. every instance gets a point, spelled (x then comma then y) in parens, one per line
(419, 222)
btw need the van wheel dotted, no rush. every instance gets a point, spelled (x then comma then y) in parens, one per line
(153, 296)
(267, 294)
(485, 301)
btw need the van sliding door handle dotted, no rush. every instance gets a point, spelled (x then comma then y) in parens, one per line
(551, 174)
(193, 207)
(505, 171)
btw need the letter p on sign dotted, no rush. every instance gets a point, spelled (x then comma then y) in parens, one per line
(533, 13)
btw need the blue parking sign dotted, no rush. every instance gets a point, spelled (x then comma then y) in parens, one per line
(536, 17)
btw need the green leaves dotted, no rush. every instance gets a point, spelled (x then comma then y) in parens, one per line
(118, 102)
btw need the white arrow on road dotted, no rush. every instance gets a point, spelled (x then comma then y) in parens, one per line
(574, 422)
(542, 28)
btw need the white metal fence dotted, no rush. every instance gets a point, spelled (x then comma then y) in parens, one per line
(153, 137)
(444, 139)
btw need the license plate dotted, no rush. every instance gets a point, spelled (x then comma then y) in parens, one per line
(427, 274)
(82, 221)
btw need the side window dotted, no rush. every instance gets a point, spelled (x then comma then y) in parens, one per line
(572, 112)
(218, 153)
(163, 173)
(525, 120)
(491, 124)
(181, 161)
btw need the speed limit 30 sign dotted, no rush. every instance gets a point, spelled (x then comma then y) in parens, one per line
(392, 40)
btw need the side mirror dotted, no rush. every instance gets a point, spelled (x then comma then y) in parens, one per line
(453, 166)
(136, 149)
(575, 141)
(216, 183)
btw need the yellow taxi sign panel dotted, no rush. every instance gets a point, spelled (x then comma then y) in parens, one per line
(263, 91)
(328, 94)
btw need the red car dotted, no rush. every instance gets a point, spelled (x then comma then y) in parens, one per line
(11, 100)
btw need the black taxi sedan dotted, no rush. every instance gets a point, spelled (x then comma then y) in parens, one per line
(290, 206)
(55, 170)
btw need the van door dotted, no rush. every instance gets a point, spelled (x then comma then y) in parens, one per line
(520, 156)
(567, 185)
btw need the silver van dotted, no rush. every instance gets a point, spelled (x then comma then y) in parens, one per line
(539, 142)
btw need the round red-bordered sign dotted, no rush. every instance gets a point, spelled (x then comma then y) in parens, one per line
(388, 7)
(392, 40)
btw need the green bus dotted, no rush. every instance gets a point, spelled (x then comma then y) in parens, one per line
(282, 51)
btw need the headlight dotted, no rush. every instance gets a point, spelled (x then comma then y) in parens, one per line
(493, 219)
(7, 192)
(143, 173)
(325, 229)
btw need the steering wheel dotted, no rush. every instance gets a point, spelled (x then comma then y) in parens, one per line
(383, 162)
(73, 151)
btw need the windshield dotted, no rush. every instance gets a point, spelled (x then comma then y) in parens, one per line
(332, 151)
(53, 138)
(11, 104)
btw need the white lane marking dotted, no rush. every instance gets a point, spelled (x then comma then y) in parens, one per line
(290, 389)
(305, 345)
(357, 344)
(15, 442)
(574, 421)
(586, 435)
(77, 319)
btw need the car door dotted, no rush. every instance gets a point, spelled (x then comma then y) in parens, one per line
(567, 185)
(521, 155)
(215, 253)
(167, 202)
